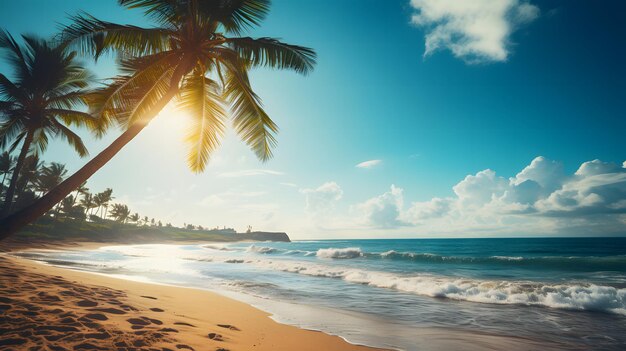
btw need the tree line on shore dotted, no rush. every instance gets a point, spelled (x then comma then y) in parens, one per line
(37, 178)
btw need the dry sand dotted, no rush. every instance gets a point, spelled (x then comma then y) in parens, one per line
(49, 308)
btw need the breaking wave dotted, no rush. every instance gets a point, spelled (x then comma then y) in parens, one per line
(577, 296)
(350, 252)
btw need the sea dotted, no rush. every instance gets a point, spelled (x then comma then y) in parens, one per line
(410, 294)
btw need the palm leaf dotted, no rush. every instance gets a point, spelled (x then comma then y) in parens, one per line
(235, 16)
(93, 36)
(272, 53)
(71, 138)
(250, 121)
(199, 97)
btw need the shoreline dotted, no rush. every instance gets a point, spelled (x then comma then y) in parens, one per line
(272, 313)
(248, 328)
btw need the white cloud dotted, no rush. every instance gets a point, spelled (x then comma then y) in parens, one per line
(369, 164)
(249, 173)
(540, 199)
(323, 198)
(383, 211)
(476, 30)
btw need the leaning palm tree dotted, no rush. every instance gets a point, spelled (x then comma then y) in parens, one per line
(195, 54)
(39, 103)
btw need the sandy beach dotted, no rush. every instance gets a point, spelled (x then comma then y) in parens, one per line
(48, 308)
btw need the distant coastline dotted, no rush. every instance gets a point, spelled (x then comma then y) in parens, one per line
(49, 231)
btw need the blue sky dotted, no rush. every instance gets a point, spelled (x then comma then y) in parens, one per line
(435, 90)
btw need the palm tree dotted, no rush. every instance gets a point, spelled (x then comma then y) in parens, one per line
(107, 196)
(50, 177)
(196, 55)
(134, 218)
(88, 203)
(81, 190)
(6, 166)
(27, 180)
(102, 199)
(120, 212)
(69, 209)
(39, 103)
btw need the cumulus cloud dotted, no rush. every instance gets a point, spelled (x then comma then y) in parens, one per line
(383, 211)
(541, 199)
(323, 198)
(476, 30)
(369, 164)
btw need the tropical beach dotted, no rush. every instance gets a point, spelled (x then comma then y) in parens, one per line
(230, 175)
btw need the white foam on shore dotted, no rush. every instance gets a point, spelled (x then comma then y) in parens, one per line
(568, 296)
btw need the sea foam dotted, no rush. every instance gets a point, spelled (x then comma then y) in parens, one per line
(568, 296)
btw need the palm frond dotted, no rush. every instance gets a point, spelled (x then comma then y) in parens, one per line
(250, 121)
(235, 16)
(16, 141)
(129, 95)
(271, 52)
(10, 130)
(72, 117)
(10, 91)
(71, 138)
(199, 97)
(39, 143)
(93, 36)
(163, 11)
(15, 55)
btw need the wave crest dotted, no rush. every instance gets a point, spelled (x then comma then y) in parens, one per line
(349, 252)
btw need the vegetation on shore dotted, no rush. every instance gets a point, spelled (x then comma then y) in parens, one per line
(91, 215)
(67, 229)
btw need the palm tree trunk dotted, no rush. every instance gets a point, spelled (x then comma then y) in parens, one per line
(11, 224)
(8, 199)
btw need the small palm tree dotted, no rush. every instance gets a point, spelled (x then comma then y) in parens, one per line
(26, 183)
(102, 199)
(195, 54)
(134, 218)
(120, 212)
(81, 190)
(88, 203)
(69, 210)
(39, 103)
(50, 177)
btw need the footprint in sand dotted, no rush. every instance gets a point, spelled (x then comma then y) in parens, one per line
(228, 326)
(215, 337)
(86, 303)
(155, 309)
(184, 347)
(96, 316)
(138, 321)
(149, 297)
